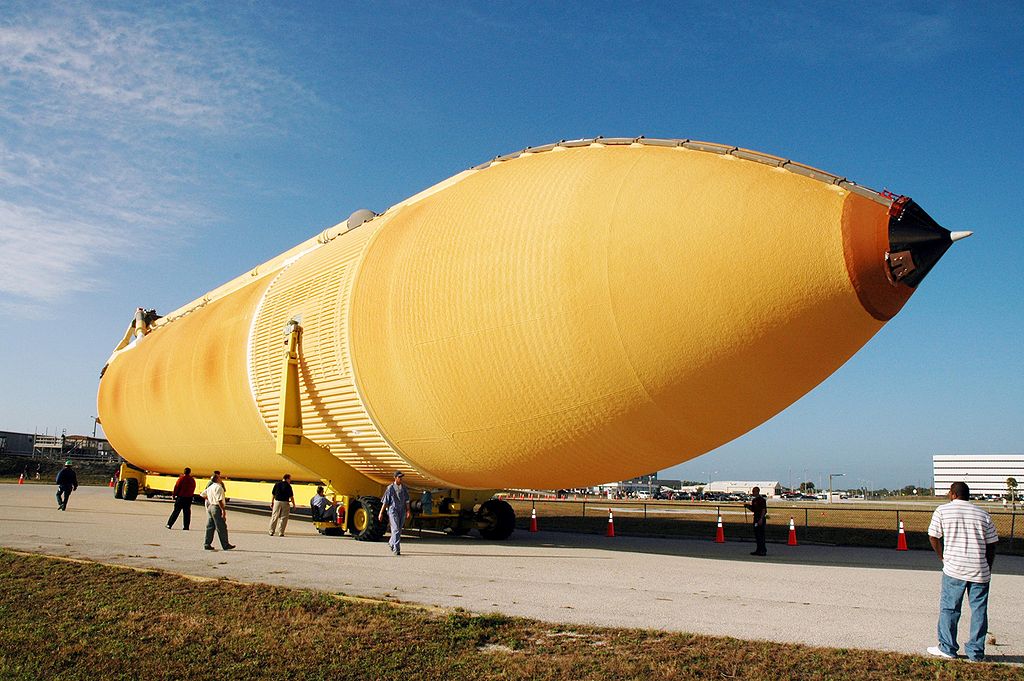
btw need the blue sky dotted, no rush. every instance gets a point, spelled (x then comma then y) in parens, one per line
(150, 152)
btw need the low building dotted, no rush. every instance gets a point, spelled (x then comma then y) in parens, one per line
(44, 447)
(769, 488)
(644, 484)
(983, 473)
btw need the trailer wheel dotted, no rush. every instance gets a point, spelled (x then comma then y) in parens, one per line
(119, 490)
(131, 489)
(150, 493)
(362, 519)
(495, 519)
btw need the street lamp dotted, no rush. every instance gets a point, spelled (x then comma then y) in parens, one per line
(830, 476)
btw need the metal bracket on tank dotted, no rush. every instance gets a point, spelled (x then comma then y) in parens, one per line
(300, 450)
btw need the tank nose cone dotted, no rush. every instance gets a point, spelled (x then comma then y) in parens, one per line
(916, 242)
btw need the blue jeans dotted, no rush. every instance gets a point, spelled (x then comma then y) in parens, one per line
(950, 601)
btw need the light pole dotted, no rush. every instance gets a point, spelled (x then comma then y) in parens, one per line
(95, 420)
(830, 476)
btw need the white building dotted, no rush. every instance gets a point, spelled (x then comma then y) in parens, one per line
(769, 488)
(983, 473)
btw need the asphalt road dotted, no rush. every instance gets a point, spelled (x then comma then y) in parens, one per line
(827, 596)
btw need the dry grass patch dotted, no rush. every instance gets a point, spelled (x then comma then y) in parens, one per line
(78, 620)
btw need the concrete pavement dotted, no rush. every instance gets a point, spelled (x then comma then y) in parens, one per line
(827, 596)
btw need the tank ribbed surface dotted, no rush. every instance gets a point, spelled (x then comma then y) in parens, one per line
(316, 288)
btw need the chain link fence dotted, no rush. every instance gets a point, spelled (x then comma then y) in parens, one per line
(836, 524)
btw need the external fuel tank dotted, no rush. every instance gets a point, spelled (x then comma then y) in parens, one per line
(572, 314)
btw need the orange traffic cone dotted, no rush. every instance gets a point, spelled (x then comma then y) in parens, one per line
(901, 541)
(611, 525)
(21, 479)
(111, 483)
(720, 533)
(533, 520)
(792, 532)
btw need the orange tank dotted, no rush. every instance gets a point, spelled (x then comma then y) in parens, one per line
(572, 314)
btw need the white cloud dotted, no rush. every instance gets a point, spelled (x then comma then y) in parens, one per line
(101, 110)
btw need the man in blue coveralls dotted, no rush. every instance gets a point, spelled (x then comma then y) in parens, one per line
(396, 503)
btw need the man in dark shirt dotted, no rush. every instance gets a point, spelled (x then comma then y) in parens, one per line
(759, 508)
(67, 481)
(184, 488)
(282, 503)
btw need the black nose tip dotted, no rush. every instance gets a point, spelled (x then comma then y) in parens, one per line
(916, 242)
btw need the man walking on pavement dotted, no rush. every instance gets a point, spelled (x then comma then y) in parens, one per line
(964, 539)
(759, 508)
(396, 503)
(67, 482)
(184, 489)
(282, 503)
(217, 512)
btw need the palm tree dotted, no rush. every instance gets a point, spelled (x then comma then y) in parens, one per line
(1011, 487)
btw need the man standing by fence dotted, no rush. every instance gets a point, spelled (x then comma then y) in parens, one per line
(964, 539)
(759, 508)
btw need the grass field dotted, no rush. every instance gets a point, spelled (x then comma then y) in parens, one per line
(839, 524)
(62, 619)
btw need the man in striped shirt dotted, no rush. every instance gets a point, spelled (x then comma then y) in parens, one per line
(964, 538)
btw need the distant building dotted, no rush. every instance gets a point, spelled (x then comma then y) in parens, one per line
(15, 444)
(983, 473)
(56, 447)
(648, 484)
(769, 488)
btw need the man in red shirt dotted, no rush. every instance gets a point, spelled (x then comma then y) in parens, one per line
(184, 488)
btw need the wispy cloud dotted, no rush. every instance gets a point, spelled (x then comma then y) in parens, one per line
(99, 109)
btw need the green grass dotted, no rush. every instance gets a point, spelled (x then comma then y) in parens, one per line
(63, 619)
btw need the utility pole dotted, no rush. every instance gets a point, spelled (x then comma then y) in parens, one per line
(830, 476)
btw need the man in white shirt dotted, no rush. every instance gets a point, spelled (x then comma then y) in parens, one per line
(217, 512)
(964, 538)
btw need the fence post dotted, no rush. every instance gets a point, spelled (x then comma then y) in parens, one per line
(807, 523)
(897, 518)
(645, 510)
(1013, 523)
(584, 508)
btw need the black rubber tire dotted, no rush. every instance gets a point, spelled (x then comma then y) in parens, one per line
(495, 519)
(362, 519)
(119, 490)
(131, 489)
